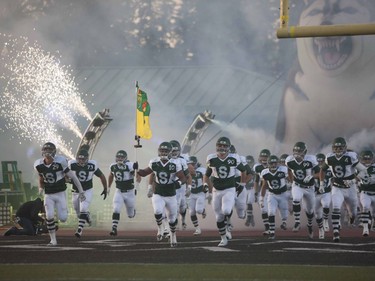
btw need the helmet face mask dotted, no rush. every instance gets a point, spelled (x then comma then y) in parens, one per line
(49, 150)
(320, 158)
(223, 146)
(366, 158)
(164, 151)
(339, 146)
(82, 158)
(299, 151)
(263, 157)
(273, 163)
(121, 157)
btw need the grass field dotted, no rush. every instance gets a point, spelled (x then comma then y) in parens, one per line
(180, 272)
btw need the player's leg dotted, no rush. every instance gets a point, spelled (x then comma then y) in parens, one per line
(337, 201)
(172, 211)
(309, 205)
(84, 215)
(117, 204)
(158, 205)
(272, 208)
(297, 194)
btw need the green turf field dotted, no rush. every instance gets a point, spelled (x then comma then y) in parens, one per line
(154, 272)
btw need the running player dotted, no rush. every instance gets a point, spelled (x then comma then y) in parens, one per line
(274, 179)
(303, 169)
(343, 165)
(221, 167)
(164, 196)
(52, 170)
(196, 193)
(122, 172)
(85, 170)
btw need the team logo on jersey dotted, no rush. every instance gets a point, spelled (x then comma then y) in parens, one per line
(55, 166)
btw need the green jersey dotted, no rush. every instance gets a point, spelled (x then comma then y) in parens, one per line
(165, 175)
(223, 171)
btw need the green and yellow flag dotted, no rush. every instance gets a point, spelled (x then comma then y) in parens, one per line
(143, 114)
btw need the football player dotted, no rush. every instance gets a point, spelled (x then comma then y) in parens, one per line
(303, 169)
(166, 170)
(181, 190)
(250, 193)
(343, 165)
(123, 173)
(274, 181)
(52, 170)
(85, 170)
(196, 193)
(367, 187)
(323, 199)
(221, 167)
(258, 168)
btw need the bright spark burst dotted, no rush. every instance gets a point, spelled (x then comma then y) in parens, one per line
(40, 99)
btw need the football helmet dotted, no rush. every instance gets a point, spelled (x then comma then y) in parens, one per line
(366, 157)
(250, 160)
(82, 157)
(49, 150)
(320, 157)
(121, 157)
(222, 146)
(273, 163)
(263, 156)
(339, 146)
(193, 160)
(176, 148)
(232, 149)
(164, 150)
(283, 158)
(299, 150)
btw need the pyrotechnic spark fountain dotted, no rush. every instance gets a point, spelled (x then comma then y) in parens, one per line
(40, 98)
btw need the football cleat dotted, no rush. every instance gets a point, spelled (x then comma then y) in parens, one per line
(271, 236)
(52, 244)
(321, 233)
(283, 226)
(113, 232)
(310, 231)
(78, 233)
(223, 242)
(228, 235)
(326, 225)
(336, 236)
(296, 227)
(197, 231)
(159, 237)
(266, 232)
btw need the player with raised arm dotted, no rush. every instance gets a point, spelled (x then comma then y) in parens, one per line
(52, 170)
(85, 170)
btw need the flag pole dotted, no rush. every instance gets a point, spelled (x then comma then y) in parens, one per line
(137, 138)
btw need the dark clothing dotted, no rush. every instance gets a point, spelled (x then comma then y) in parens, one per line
(28, 217)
